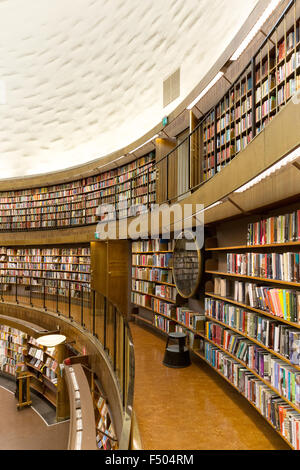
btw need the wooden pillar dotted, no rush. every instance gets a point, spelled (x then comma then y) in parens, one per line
(195, 152)
(166, 177)
(62, 399)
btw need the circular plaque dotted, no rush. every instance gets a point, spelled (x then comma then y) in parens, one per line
(187, 265)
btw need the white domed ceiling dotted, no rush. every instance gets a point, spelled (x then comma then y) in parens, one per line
(83, 78)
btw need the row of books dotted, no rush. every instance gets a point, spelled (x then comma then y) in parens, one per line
(284, 378)
(281, 338)
(9, 276)
(85, 268)
(278, 229)
(283, 303)
(12, 344)
(38, 283)
(279, 266)
(74, 251)
(78, 187)
(152, 274)
(152, 245)
(156, 305)
(36, 353)
(190, 318)
(163, 324)
(161, 260)
(282, 416)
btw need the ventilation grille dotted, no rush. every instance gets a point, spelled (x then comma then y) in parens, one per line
(171, 88)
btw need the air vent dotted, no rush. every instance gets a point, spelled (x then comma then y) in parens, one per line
(171, 88)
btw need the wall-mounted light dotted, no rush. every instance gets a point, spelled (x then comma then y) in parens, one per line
(272, 169)
(203, 92)
(268, 11)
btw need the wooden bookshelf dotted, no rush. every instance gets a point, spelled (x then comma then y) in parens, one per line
(281, 227)
(254, 373)
(75, 203)
(30, 267)
(266, 84)
(252, 309)
(283, 358)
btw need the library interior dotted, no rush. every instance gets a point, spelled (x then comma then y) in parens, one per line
(150, 267)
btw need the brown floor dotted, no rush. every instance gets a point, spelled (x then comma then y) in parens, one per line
(25, 430)
(192, 408)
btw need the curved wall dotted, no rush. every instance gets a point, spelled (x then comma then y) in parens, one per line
(60, 100)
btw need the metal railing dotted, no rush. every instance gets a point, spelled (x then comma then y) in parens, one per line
(92, 311)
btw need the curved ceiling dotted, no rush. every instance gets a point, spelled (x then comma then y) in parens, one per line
(83, 78)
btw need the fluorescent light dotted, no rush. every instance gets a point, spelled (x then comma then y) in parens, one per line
(147, 142)
(268, 11)
(203, 92)
(203, 210)
(284, 161)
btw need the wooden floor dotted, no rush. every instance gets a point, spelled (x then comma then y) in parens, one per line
(192, 408)
(25, 429)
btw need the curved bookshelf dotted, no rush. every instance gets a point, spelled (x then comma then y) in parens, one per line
(283, 358)
(253, 309)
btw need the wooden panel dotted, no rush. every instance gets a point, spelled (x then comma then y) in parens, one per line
(49, 237)
(195, 146)
(99, 267)
(163, 189)
(118, 267)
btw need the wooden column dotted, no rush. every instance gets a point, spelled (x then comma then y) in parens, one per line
(166, 178)
(195, 160)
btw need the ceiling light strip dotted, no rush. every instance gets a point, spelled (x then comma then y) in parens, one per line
(266, 14)
(272, 169)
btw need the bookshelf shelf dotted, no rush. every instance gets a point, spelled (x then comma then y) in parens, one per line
(155, 296)
(253, 309)
(265, 334)
(266, 84)
(251, 247)
(261, 279)
(283, 358)
(150, 266)
(172, 319)
(253, 372)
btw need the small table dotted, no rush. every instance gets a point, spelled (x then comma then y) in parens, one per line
(176, 355)
(24, 377)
